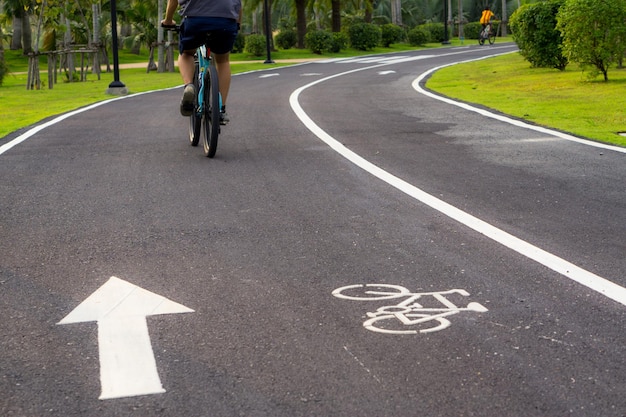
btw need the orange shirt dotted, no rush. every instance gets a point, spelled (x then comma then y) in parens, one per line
(486, 17)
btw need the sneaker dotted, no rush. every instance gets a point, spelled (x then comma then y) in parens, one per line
(188, 101)
(224, 119)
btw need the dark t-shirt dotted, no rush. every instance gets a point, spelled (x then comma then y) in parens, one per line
(210, 8)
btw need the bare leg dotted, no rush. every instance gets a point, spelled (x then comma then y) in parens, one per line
(186, 66)
(222, 62)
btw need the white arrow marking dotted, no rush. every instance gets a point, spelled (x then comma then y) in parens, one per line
(127, 364)
(386, 72)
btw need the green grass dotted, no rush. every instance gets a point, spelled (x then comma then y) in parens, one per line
(564, 100)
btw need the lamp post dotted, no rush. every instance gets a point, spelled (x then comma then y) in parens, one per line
(116, 87)
(446, 40)
(268, 31)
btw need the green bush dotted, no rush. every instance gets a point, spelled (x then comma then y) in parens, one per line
(256, 45)
(318, 41)
(533, 27)
(3, 67)
(364, 36)
(391, 33)
(286, 39)
(240, 43)
(472, 30)
(436, 31)
(339, 42)
(418, 36)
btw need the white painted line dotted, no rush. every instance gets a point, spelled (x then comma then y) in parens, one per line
(275, 74)
(586, 278)
(64, 116)
(399, 60)
(127, 364)
(519, 123)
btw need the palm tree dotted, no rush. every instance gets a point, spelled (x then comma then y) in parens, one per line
(22, 33)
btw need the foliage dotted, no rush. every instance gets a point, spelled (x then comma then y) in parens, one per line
(534, 30)
(594, 33)
(286, 39)
(256, 45)
(318, 41)
(340, 42)
(364, 36)
(240, 43)
(435, 30)
(418, 36)
(472, 30)
(391, 33)
(3, 66)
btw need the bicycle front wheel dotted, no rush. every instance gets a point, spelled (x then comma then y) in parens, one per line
(211, 114)
(492, 38)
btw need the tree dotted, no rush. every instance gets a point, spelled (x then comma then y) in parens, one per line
(594, 33)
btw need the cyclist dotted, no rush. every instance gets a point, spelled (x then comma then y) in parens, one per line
(486, 17)
(220, 18)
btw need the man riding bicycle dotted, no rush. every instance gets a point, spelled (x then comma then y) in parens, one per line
(486, 17)
(220, 18)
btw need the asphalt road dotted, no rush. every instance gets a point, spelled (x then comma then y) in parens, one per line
(510, 243)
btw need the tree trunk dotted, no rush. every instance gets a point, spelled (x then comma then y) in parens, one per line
(336, 15)
(160, 40)
(27, 35)
(505, 19)
(301, 22)
(369, 9)
(16, 40)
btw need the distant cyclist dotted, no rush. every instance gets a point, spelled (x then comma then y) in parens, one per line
(486, 17)
(220, 18)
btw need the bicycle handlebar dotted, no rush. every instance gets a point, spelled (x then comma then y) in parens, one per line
(175, 28)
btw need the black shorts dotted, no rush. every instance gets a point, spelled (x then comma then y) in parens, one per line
(193, 32)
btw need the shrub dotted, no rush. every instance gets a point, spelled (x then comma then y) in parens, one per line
(391, 33)
(318, 41)
(472, 29)
(340, 41)
(3, 67)
(256, 45)
(364, 36)
(534, 30)
(418, 36)
(286, 39)
(436, 31)
(240, 43)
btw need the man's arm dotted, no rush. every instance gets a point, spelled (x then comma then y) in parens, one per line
(172, 5)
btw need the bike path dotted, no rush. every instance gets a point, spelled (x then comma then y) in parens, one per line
(256, 241)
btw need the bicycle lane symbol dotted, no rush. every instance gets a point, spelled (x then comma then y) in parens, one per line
(394, 319)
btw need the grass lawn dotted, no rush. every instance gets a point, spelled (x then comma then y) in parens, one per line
(565, 100)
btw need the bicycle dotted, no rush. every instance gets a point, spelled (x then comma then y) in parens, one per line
(487, 34)
(409, 312)
(208, 102)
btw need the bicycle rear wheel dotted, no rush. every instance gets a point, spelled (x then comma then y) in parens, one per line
(195, 120)
(211, 111)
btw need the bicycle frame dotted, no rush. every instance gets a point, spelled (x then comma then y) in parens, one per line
(204, 60)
